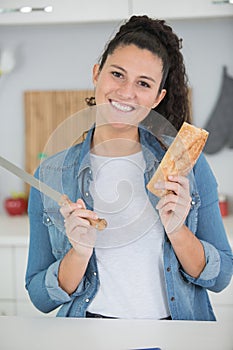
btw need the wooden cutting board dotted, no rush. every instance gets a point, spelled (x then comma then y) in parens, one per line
(53, 122)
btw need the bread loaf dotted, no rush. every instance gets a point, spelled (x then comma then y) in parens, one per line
(180, 157)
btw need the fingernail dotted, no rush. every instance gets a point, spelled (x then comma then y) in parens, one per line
(158, 184)
(95, 216)
(79, 206)
(170, 177)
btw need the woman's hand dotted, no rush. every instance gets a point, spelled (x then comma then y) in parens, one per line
(174, 207)
(81, 234)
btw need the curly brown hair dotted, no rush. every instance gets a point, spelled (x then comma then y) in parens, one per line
(158, 37)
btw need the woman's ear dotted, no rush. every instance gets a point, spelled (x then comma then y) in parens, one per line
(95, 73)
(159, 97)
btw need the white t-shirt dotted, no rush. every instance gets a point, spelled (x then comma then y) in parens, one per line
(130, 250)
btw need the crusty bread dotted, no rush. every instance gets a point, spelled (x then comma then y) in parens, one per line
(180, 156)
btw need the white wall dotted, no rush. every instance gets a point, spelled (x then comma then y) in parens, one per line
(62, 56)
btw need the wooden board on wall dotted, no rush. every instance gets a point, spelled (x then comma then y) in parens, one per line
(45, 113)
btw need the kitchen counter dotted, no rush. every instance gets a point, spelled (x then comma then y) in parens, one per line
(18, 333)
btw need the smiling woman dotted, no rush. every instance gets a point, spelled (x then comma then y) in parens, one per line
(130, 81)
(136, 267)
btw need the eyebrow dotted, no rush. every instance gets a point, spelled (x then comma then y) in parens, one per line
(142, 76)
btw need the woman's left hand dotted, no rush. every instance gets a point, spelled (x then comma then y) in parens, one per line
(174, 207)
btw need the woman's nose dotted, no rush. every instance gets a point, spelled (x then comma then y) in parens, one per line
(126, 90)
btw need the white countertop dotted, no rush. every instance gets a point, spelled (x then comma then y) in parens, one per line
(14, 230)
(17, 333)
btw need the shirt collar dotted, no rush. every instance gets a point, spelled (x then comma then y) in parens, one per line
(151, 148)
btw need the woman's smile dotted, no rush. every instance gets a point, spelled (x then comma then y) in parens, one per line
(122, 107)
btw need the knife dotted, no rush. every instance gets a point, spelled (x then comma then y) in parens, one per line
(61, 199)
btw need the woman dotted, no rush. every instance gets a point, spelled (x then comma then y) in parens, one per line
(138, 267)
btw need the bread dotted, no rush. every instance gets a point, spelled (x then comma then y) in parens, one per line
(180, 156)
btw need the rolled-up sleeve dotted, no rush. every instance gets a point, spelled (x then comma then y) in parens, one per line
(208, 276)
(218, 270)
(55, 292)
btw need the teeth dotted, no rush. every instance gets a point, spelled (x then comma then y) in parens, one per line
(123, 108)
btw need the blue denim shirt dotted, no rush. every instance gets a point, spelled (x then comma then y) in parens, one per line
(70, 172)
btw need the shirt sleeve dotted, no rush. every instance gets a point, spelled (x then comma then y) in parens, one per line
(55, 292)
(211, 271)
(42, 266)
(218, 270)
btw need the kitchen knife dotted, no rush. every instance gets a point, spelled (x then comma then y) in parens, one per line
(61, 199)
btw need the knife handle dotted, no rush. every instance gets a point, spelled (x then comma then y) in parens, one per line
(99, 224)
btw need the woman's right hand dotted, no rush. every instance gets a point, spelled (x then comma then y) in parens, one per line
(81, 234)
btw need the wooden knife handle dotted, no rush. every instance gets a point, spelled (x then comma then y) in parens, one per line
(99, 224)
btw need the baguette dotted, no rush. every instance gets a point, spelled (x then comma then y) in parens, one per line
(180, 156)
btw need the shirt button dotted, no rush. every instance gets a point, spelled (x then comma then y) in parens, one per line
(86, 194)
(48, 219)
(87, 300)
(168, 269)
(90, 172)
(172, 298)
(193, 202)
(94, 273)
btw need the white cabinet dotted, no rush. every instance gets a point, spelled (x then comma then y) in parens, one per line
(79, 11)
(20, 262)
(69, 11)
(14, 237)
(6, 274)
(223, 303)
(7, 308)
(181, 9)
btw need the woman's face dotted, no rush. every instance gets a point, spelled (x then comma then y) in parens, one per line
(128, 82)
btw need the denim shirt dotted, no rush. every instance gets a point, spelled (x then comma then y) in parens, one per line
(70, 172)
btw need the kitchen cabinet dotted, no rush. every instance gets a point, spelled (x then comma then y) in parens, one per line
(69, 11)
(77, 11)
(7, 293)
(14, 300)
(6, 274)
(181, 9)
(7, 308)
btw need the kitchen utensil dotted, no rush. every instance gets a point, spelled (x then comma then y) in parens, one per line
(58, 197)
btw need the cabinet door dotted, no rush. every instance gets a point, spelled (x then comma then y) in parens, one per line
(26, 308)
(223, 298)
(20, 261)
(65, 11)
(179, 9)
(7, 308)
(6, 274)
(224, 313)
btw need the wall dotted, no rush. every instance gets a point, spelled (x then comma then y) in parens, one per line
(62, 56)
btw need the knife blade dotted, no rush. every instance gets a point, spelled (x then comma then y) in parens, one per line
(58, 197)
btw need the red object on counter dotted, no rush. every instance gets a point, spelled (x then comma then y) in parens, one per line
(16, 206)
(223, 205)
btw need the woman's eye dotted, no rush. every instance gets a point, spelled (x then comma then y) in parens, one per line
(117, 74)
(144, 84)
